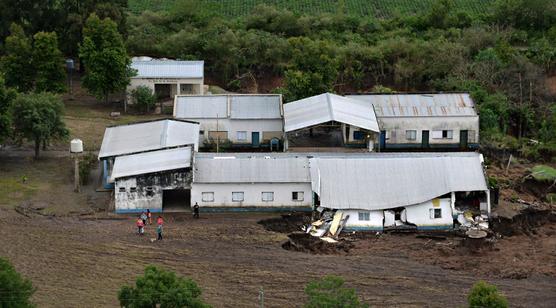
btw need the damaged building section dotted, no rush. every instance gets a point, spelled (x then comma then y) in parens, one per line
(419, 192)
(159, 180)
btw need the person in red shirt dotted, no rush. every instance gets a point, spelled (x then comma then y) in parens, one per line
(140, 226)
(159, 221)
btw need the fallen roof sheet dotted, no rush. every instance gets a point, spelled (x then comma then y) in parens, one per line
(234, 106)
(264, 169)
(419, 105)
(147, 136)
(150, 162)
(328, 107)
(377, 183)
(168, 69)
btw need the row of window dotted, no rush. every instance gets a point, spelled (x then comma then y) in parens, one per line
(434, 214)
(239, 196)
(435, 134)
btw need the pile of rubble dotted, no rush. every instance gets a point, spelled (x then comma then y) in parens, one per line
(328, 227)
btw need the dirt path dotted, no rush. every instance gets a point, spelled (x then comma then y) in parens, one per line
(82, 263)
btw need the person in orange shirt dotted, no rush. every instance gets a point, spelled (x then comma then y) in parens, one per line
(150, 216)
(140, 226)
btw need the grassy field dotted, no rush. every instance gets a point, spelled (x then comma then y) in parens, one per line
(377, 8)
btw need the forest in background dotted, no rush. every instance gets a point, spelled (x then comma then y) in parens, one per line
(504, 54)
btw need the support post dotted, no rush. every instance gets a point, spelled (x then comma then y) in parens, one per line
(261, 298)
(76, 172)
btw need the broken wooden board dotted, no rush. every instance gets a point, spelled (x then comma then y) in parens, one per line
(336, 222)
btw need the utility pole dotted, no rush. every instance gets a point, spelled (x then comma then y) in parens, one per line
(217, 135)
(261, 298)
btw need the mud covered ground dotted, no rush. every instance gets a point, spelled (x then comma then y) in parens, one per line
(80, 261)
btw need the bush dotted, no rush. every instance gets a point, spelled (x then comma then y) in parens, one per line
(15, 291)
(485, 295)
(330, 292)
(143, 98)
(86, 164)
(161, 288)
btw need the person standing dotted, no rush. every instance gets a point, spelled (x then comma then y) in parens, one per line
(144, 218)
(140, 226)
(150, 216)
(159, 233)
(196, 211)
(159, 220)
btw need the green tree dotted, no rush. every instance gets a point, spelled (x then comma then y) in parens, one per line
(329, 292)
(49, 63)
(37, 117)
(161, 287)
(15, 290)
(17, 60)
(485, 295)
(143, 98)
(107, 65)
(7, 96)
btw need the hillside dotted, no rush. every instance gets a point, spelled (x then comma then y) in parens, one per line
(378, 8)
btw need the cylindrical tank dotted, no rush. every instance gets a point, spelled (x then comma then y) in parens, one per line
(76, 146)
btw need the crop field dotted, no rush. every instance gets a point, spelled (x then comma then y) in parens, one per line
(377, 8)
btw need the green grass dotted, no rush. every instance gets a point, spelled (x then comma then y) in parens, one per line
(377, 8)
(13, 191)
(544, 173)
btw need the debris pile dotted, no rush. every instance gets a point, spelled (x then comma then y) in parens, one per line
(304, 242)
(328, 227)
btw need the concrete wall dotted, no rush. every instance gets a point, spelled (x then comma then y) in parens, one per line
(396, 129)
(197, 85)
(252, 195)
(420, 215)
(142, 199)
(233, 126)
(375, 222)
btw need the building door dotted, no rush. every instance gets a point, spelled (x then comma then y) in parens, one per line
(382, 140)
(463, 135)
(425, 139)
(255, 141)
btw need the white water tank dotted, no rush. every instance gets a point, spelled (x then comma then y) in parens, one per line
(76, 146)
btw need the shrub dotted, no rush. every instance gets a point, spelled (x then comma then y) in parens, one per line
(485, 295)
(143, 98)
(161, 288)
(15, 291)
(87, 163)
(330, 292)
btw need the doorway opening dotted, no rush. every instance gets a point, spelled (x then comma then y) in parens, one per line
(176, 200)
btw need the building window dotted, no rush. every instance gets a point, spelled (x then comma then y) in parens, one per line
(202, 132)
(298, 196)
(358, 135)
(366, 216)
(267, 196)
(122, 189)
(411, 134)
(133, 189)
(208, 197)
(237, 196)
(442, 134)
(149, 191)
(242, 136)
(436, 213)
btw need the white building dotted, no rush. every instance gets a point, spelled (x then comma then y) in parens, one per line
(240, 182)
(440, 120)
(142, 137)
(329, 120)
(167, 78)
(413, 190)
(243, 119)
(158, 180)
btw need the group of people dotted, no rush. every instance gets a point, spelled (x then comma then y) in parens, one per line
(146, 217)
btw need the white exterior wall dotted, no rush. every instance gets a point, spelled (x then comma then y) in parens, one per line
(233, 126)
(252, 194)
(197, 84)
(353, 223)
(131, 201)
(456, 124)
(419, 214)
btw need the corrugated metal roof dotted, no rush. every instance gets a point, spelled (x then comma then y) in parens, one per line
(328, 107)
(419, 105)
(150, 162)
(241, 106)
(147, 136)
(168, 69)
(266, 169)
(376, 183)
(201, 107)
(255, 106)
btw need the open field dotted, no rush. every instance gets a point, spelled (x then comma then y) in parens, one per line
(377, 8)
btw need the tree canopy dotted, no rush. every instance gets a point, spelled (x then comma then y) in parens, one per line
(330, 292)
(161, 288)
(107, 65)
(6, 100)
(37, 117)
(48, 62)
(485, 295)
(16, 291)
(18, 59)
